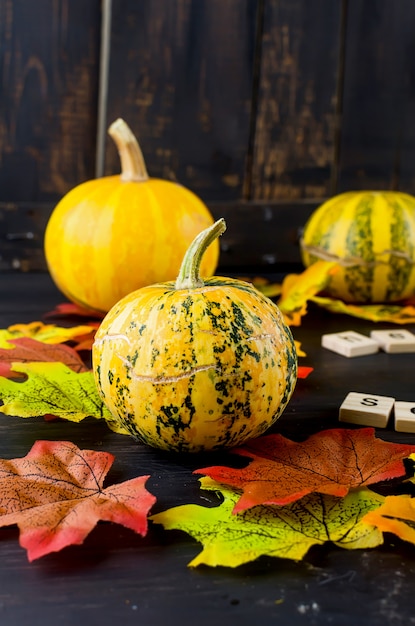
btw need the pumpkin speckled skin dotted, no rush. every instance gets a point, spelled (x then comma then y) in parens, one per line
(110, 236)
(195, 369)
(372, 236)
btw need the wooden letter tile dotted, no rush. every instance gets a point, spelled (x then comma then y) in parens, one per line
(366, 409)
(349, 343)
(395, 340)
(405, 417)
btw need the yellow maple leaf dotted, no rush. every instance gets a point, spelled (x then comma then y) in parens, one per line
(46, 333)
(392, 313)
(298, 289)
(396, 515)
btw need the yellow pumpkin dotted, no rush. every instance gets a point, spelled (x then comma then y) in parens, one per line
(195, 364)
(110, 236)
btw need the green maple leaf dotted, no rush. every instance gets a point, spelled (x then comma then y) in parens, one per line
(279, 531)
(52, 389)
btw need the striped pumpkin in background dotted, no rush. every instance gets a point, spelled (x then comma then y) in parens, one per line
(372, 236)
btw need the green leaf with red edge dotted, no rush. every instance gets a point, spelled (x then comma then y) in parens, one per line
(286, 532)
(331, 462)
(25, 349)
(55, 495)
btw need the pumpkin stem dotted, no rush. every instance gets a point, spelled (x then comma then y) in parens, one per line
(189, 273)
(133, 167)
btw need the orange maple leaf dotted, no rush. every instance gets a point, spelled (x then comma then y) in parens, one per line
(27, 350)
(56, 497)
(330, 462)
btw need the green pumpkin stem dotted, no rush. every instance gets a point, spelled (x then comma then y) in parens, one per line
(133, 167)
(189, 274)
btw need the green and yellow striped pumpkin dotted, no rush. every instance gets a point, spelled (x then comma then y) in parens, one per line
(195, 365)
(371, 234)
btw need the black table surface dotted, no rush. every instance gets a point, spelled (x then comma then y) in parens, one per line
(117, 576)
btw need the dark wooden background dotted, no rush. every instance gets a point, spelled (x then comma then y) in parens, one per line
(262, 107)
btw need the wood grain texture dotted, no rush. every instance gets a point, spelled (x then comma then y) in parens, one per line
(295, 121)
(49, 57)
(261, 237)
(239, 100)
(22, 227)
(181, 76)
(378, 134)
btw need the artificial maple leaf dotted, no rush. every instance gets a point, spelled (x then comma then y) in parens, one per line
(391, 313)
(54, 390)
(47, 333)
(298, 348)
(56, 497)
(396, 515)
(331, 462)
(298, 289)
(271, 290)
(26, 350)
(51, 388)
(286, 532)
(84, 342)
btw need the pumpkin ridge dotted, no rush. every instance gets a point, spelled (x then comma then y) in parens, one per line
(161, 379)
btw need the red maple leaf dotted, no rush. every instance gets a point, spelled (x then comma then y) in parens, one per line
(331, 462)
(27, 350)
(56, 497)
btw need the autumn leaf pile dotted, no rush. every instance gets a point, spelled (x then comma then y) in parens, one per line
(292, 496)
(286, 498)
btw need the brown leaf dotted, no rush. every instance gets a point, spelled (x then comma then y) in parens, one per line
(330, 462)
(27, 350)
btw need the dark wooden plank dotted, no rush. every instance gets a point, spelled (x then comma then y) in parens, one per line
(295, 135)
(22, 227)
(262, 237)
(181, 76)
(259, 236)
(378, 137)
(48, 62)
